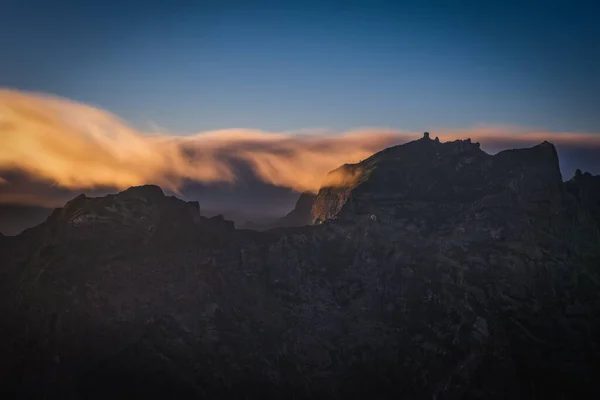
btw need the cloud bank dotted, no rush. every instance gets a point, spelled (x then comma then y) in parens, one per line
(78, 147)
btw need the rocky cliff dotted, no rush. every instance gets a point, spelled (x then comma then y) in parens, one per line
(441, 272)
(428, 171)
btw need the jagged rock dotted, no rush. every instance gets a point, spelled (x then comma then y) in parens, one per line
(219, 222)
(427, 172)
(441, 272)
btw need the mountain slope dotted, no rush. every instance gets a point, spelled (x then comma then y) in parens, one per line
(442, 272)
(586, 189)
(299, 216)
(428, 171)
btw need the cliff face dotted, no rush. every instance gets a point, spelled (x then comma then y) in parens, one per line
(301, 214)
(331, 199)
(442, 272)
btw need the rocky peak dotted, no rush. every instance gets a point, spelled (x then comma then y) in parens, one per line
(431, 172)
(219, 222)
(585, 178)
(135, 212)
(411, 169)
(148, 192)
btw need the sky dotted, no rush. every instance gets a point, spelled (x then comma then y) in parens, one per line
(288, 65)
(243, 105)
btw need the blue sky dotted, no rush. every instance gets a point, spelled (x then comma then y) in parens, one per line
(338, 65)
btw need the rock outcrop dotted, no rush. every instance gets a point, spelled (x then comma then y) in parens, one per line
(428, 172)
(441, 272)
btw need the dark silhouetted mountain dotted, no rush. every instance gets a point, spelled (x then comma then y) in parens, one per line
(586, 188)
(442, 272)
(15, 218)
(426, 171)
(301, 215)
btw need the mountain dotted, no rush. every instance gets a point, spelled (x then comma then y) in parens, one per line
(440, 271)
(300, 215)
(14, 219)
(427, 172)
(586, 189)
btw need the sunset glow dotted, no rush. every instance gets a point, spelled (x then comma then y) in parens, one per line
(77, 146)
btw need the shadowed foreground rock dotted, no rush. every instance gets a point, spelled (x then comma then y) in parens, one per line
(443, 272)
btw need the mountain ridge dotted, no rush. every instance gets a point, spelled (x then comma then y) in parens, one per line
(402, 171)
(443, 272)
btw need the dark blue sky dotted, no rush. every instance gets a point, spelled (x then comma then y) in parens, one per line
(220, 64)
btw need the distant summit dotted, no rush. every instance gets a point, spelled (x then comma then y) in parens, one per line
(299, 216)
(149, 192)
(428, 171)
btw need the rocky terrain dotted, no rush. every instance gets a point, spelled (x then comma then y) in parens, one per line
(443, 272)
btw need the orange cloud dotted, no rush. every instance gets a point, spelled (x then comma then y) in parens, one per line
(76, 146)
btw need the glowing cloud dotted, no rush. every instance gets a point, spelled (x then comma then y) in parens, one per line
(76, 146)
